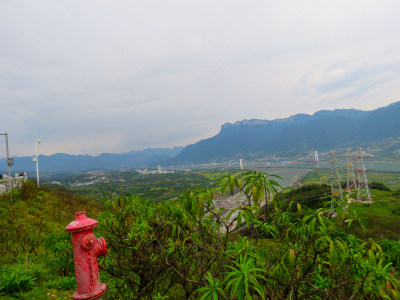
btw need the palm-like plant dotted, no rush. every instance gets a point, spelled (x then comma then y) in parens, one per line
(260, 185)
(242, 281)
(213, 290)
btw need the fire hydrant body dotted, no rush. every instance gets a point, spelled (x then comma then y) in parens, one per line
(86, 250)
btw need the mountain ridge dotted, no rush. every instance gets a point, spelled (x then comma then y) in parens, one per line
(63, 162)
(299, 133)
(248, 139)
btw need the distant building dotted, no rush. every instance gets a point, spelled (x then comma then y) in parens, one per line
(159, 170)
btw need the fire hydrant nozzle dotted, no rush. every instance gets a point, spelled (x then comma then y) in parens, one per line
(86, 249)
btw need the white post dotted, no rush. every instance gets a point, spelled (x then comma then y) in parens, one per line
(37, 141)
(316, 158)
(8, 164)
(8, 156)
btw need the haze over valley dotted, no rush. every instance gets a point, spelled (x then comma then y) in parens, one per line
(301, 134)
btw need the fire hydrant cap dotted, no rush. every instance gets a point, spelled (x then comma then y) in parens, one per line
(81, 223)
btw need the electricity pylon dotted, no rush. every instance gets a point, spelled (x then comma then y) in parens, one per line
(336, 187)
(364, 194)
(351, 180)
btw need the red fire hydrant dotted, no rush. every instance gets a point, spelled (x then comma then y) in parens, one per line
(86, 250)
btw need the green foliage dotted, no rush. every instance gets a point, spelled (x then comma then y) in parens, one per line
(159, 187)
(62, 283)
(243, 279)
(213, 289)
(383, 216)
(390, 179)
(21, 276)
(11, 283)
(378, 186)
(162, 245)
(27, 221)
(396, 193)
(270, 246)
(188, 248)
(34, 247)
(391, 249)
(60, 256)
(309, 195)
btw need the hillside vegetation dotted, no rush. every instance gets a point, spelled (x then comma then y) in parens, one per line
(158, 187)
(35, 251)
(390, 179)
(185, 248)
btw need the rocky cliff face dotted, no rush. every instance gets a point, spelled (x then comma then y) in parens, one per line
(299, 133)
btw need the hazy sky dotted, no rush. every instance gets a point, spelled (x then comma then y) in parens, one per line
(113, 76)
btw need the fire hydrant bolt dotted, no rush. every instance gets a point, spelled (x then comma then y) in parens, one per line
(86, 249)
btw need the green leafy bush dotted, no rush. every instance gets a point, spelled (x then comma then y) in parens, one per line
(378, 186)
(11, 282)
(310, 195)
(396, 193)
(189, 249)
(267, 247)
(62, 283)
(34, 247)
(21, 276)
(60, 257)
(391, 249)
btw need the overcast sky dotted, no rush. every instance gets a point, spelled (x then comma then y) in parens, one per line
(113, 76)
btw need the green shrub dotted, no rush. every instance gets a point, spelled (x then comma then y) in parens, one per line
(310, 195)
(396, 211)
(62, 283)
(378, 186)
(12, 282)
(60, 257)
(21, 276)
(188, 249)
(392, 252)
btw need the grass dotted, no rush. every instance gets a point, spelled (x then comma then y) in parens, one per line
(215, 175)
(390, 179)
(382, 216)
(39, 293)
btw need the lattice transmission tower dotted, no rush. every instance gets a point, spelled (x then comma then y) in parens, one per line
(336, 187)
(351, 178)
(364, 194)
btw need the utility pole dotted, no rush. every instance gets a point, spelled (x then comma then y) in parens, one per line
(36, 159)
(10, 162)
(316, 159)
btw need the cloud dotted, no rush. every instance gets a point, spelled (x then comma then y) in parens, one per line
(346, 81)
(95, 76)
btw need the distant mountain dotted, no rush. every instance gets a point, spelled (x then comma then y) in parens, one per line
(249, 139)
(322, 131)
(62, 162)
